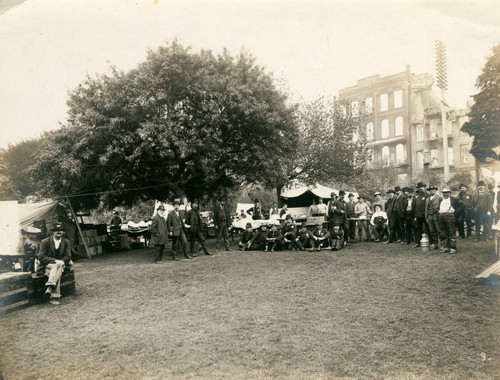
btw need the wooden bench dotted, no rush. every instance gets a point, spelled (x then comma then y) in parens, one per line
(68, 286)
(15, 291)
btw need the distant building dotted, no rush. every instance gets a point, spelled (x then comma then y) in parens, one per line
(402, 122)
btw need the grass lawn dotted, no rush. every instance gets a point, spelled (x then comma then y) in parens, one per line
(369, 311)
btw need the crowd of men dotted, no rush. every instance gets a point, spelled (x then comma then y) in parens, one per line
(403, 217)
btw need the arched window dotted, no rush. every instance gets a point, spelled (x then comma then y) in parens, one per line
(400, 154)
(385, 128)
(369, 131)
(398, 126)
(386, 157)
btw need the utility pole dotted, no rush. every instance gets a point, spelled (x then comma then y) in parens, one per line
(443, 85)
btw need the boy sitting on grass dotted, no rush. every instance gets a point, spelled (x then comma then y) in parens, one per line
(273, 240)
(246, 237)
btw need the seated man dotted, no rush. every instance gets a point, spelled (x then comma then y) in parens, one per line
(289, 234)
(336, 238)
(54, 257)
(319, 237)
(303, 239)
(258, 242)
(273, 240)
(379, 223)
(246, 237)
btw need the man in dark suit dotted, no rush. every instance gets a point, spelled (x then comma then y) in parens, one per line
(256, 211)
(193, 221)
(466, 214)
(54, 257)
(482, 204)
(222, 220)
(409, 216)
(419, 208)
(175, 227)
(396, 220)
(341, 212)
(351, 214)
(432, 215)
(389, 206)
(159, 233)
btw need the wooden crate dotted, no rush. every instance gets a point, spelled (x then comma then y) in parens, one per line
(15, 291)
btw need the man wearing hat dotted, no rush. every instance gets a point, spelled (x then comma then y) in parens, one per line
(396, 218)
(418, 205)
(159, 233)
(482, 204)
(256, 211)
(193, 221)
(449, 208)
(432, 215)
(409, 216)
(222, 220)
(303, 239)
(363, 212)
(341, 213)
(389, 207)
(288, 232)
(258, 241)
(116, 221)
(378, 200)
(466, 214)
(54, 257)
(246, 237)
(175, 228)
(351, 213)
(319, 237)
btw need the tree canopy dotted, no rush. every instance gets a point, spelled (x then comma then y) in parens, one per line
(180, 123)
(330, 146)
(484, 117)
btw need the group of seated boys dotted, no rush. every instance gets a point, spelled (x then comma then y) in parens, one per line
(289, 236)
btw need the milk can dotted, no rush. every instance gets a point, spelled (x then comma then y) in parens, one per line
(424, 242)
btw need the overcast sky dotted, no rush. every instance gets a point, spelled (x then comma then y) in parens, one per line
(319, 47)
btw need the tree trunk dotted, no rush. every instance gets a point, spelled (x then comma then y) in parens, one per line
(278, 195)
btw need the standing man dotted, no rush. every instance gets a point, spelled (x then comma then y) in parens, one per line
(419, 204)
(341, 208)
(494, 216)
(351, 205)
(313, 209)
(389, 207)
(274, 210)
(448, 209)
(362, 211)
(159, 233)
(54, 257)
(284, 211)
(466, 214)
(432, 215)
(409, 216)
(398, 213)
(116, 222)
(256, 210)
(175, 227)
(222, 219)
(482, 204)
(193, 220)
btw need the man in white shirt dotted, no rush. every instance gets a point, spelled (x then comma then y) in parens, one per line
(449, 208)
(54, 257)
(321, 207)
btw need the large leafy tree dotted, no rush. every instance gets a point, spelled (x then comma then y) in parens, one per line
(180, 123)
(484, 118)
(16, 182)
(330, 147)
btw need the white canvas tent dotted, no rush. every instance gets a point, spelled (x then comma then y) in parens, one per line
(14, 217)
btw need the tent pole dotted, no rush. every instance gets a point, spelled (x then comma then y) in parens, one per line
(79, 229)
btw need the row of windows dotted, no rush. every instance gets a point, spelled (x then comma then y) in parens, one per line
(384, 128)
(398, 156)
(384, 103)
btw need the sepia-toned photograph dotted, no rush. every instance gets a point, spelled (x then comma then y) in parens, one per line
(249, 189)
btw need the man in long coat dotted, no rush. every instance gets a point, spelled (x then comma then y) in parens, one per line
(175, 227)
(193, 220)
(222, 221)
(159, 233)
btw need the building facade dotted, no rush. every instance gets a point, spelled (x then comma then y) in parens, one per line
(401, 118)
